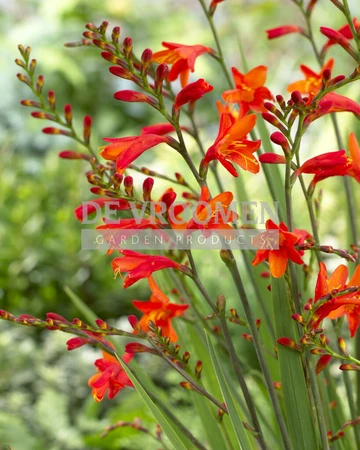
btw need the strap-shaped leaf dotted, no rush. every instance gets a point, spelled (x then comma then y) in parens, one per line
(241, 433)
(296, 400)
(168, 429)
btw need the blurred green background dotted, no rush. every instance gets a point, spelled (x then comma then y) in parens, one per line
(44, 399)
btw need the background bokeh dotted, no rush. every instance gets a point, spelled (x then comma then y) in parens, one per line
(44, 399)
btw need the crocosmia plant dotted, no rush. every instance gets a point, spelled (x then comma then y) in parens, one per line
(264, 349)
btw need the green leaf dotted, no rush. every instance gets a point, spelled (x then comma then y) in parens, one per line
(179, 442)
(241, 433)
(296, 400)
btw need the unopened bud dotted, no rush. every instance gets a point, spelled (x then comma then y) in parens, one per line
(147, 188)
(68, 114)
(51, 99)
(32, 66)
(247, 337)
(198, 369)
(186, 357)
(127, 46)
(103, 27)
(279, 139)
(296, 97)
(349, 367)
(39, 84)
(299, 319)
(287, 342)
(23, 78)
(87, 128)
(129, 185)
(115, 35)
(342, 346)
(90, 26)
(281, 101)
(162, 71)
(146, 59)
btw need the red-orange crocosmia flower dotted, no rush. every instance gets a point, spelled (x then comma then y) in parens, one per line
(213, 214)
(283, 30)
(249, 91)
(127, 149)
(182, 57)
(139, 265)
(86, 209)
(231, 145)
(344, 31)
(354, 149)
(160, 311)
(312, 83)
(278, 258)
(111, 376)
(326, 165)
(192, 92)
(347, 304)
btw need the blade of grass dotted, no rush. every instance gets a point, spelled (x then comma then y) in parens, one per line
(241, 433)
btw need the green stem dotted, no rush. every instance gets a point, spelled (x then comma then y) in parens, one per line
(217, 41)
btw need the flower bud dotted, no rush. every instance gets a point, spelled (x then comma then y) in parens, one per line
(103, 27)
(147, 188)
(349, 367)
(162, 71)
(53, 130)
(342, 346)
(39, 84)
(87, 128)
(129, 185)
(127, 46)
(146, 59)
(68, 114)
(279, 139)
(198, 369)
(23, 78)
(296, 97)
(115, 35)
(287, 342)
(32, 66)
(51, 99)
(186, 357)
(90, 26)
(42, 115)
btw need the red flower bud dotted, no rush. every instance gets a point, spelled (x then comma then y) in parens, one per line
(68, 114)
(52, 130)
(283, 30)
(87, 128)
(162, 71)
(133, 96)
(121, 72)
(115, 35)
(42, 115)
(287, 342)
(296, 97)
(147, 188)
(192, 92)
(279, 139)
(127, 46)
(272, 158)
(69, 154)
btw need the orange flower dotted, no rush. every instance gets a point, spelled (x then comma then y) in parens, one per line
(347, 304)
(139, 265)
(182, 57)
(312, 83)
(111, 376)
(354, 149)
(160, 311)
(231, 144)
(126, 149)
(278, 258)
(249, 91)
(213, 213)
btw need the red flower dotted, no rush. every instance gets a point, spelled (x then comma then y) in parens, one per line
(326, 165)
(347, 304)
(192, 92)
(139, 265)
(160, 311)
(231, 144)
(182, 57)
(111, 376)
(88, 208)
(249, 91)
(312, 83)
(283, 30)
(344, 31)
(127, 149)
(278, 258)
